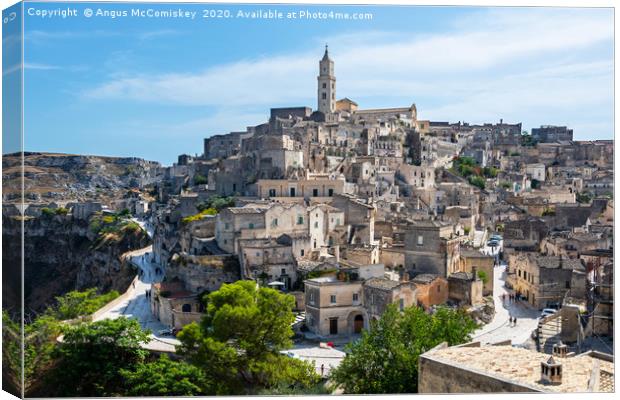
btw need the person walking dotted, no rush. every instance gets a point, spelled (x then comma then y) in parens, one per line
(515, 321)
(322, 369)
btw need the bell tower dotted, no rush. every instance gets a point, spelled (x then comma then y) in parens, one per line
(326, 85)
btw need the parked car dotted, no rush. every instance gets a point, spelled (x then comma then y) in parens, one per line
(547, 311)
(291, 354)
(492, 243)
(169, 332)
(496, 238)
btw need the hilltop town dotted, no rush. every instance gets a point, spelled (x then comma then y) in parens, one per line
(351, 210)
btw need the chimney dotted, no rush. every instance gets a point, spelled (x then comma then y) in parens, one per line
(560, 350)
(551, 372)
(474, 271)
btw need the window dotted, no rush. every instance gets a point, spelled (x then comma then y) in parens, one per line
(311, 297)
(301, 252)
(438, 288)
(337, 221)
(226, 225)
(315, 192)
(567, 284)
(330, 192)
(324, 95)
(274, 222)
(420, 240)
(355, 297)
(324, 85)
(332, 299)
(283, 271)
(272, 193)
(257, 254)
(251, 225)
(316, 224)
(300, 220)
(401, 304)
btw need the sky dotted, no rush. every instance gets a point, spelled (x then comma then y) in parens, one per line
(155, 87)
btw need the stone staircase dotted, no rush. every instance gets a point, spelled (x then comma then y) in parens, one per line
(549, 333)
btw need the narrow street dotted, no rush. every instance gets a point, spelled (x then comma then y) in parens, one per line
(499, 329)
(137, 305)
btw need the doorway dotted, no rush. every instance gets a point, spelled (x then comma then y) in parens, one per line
(358, 324)
(333, 326)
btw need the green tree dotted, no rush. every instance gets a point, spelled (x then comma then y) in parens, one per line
(165, 377)
(238, 341)
(78, 303)
(477, 181)
(200, 180)
(483, 277)
(385, 358)
(92, 355)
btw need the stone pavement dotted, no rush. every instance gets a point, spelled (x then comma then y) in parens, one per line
(499, 328)
(137, 305)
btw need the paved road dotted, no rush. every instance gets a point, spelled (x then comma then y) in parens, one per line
(137, 305)
(499, 329)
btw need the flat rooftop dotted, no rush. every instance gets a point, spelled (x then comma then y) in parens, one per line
(523, 366)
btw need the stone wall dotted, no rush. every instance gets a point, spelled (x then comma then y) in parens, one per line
(440, 377)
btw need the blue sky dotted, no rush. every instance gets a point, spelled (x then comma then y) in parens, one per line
(154, 88)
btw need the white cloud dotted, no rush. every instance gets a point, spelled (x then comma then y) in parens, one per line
(503, 61)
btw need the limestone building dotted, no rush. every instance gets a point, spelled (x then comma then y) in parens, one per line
(326, 85)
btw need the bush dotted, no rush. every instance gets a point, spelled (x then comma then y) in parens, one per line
(200, 180)
(54, 211)
(75, 303)
(477, 181)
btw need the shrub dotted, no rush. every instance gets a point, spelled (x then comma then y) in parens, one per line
(200, 180)
(477, 181)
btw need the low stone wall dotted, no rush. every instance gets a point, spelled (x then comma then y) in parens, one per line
(440, 377)
(123, 297)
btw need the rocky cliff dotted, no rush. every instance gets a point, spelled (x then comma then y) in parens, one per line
(62, 254)
(52, 177)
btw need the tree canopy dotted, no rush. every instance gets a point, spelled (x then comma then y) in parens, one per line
(238, 341)
(385, 358)
(92, 355)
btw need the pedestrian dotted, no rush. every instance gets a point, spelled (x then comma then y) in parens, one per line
(504, 297)
(134, 284)
(322, 369)
(515, 321)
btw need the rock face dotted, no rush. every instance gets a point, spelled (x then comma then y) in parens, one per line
(52, 177)
(63, 254)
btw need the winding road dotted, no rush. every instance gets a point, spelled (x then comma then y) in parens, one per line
(135, 303)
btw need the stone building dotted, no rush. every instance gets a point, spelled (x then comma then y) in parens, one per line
(334, 306)
(431, 247)
(545, 280)
(380, 292)
(471, 259)
(343, 302)
(431, 290)
(472, 368)
(550, 133)
(203, 272)
(326, 87)
(175, 306)
(465, 288)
